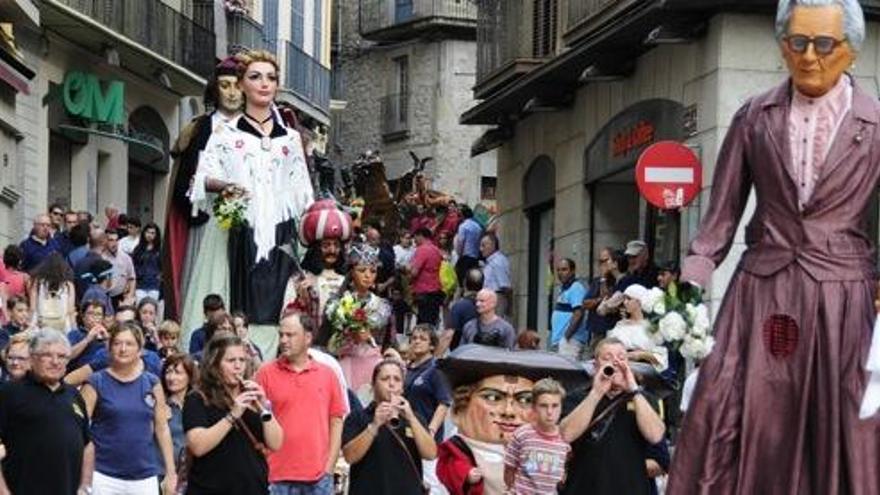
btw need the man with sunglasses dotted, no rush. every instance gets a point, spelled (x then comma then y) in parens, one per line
(775, 409)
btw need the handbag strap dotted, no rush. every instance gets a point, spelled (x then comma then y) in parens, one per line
(409, 457)
(612, 408)
(258, 445)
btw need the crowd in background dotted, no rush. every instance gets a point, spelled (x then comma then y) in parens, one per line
(84, 320)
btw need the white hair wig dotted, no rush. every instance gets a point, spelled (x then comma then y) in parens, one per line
(853, 18)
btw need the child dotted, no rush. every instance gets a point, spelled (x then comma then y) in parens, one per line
(534, 460)
(169, 336)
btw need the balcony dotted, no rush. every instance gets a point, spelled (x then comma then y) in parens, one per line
(395, 116)
(399, 20)
(245, 33)
(306, 78)
(505, 48)
(150, 24)
(586, 17)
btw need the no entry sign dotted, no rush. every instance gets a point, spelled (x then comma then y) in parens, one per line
(669, 175)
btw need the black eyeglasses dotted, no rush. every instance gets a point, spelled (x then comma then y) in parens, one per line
(823, 45)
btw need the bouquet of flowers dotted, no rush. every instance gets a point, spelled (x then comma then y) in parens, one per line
(349, 318)
(230, 209)
(680, 320)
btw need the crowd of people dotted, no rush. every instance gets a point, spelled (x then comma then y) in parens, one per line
(143, 408)
(347, 393)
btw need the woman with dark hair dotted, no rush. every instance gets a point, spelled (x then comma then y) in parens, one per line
(16, 280)
(179, 377)
(147, 311)
(386, 442)
(228, 425)
(147, 259)
(52, 294)
(240, 323)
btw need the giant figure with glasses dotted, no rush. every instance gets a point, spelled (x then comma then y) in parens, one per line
(775, 410)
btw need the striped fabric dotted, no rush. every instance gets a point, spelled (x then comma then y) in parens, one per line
(539, 460)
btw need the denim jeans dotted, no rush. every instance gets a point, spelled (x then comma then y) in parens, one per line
(323, 486)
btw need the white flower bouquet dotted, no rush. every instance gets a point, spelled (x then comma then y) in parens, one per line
(680, 320)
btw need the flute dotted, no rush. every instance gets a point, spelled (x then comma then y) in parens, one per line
(265, 414)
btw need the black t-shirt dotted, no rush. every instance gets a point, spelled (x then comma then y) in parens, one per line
(614, 464)
(385, 469)
(233, 467)
(45, 432)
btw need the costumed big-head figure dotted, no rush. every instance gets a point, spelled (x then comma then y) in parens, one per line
(492, 397)
(776, 405)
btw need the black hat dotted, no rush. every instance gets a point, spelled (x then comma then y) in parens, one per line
(471, 363)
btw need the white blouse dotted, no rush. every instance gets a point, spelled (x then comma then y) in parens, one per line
(636, 337)
(277, 180)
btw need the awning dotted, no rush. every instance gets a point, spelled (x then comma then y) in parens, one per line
(491, 139)
(143, 147)
(14, 72)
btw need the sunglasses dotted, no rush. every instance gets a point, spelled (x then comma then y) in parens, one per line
(823, 45)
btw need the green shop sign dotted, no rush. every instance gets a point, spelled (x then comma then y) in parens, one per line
(85, 98)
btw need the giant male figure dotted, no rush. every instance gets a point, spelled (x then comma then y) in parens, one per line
(776, 405)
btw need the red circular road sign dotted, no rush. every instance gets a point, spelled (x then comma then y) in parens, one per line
(669, 175)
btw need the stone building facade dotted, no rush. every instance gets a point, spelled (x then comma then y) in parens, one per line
(404, 78)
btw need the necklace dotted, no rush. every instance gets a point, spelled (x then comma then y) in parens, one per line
(265, 140)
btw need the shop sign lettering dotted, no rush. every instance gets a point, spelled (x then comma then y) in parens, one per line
(85, 97)
(632, 138)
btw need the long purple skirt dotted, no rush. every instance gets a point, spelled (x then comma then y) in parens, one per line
(775, 408)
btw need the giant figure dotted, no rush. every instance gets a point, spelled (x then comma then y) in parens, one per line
(183, 227)
(775, 409)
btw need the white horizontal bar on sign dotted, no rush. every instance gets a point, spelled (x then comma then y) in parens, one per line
(678, 175)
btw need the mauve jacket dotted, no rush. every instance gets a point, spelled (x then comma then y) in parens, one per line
(827, 237)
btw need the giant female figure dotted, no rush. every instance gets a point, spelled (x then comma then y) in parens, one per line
(258, 158)
(776, 405)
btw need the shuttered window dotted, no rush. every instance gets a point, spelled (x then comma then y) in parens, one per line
(319, 30)
(545, 19)
(297, 20)
(270, 24)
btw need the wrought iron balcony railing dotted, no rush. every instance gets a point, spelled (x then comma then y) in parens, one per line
(381, 19)
(306, 77)
(245, 33)
(156, 26)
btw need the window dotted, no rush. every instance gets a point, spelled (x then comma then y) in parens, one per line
(544, 28)
(270, 24)
(297, 20)
(319, 30)
(487, 188)
(402, 87)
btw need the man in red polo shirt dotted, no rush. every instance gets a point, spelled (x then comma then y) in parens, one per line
(307, 400)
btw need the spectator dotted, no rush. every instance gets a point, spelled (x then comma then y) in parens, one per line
(44, 426)
(79, 244)
(112, 213)
(85, 217)
(467, 244)
(240, 325)
(609, 457)
(71, 219)
(19, 319)
(133, 228)
(124, 278)
(86, 340)
(668, 274)
(534, 458)
(128, 411)
(488, 328)
(385, 278)
(426, 391)
(147, 259)
(386, 442)
(639, 268)
(568, 334)
(56, 219)
(404, 250)
(52, 295)
(601, 288)
(496, 271)
(179, 378)
(212, 304)
(220, 321)
(463, 310)
(169, 335)
(39, 245)
(16, 280)
(308, 402)
(528, 340)
(633, 331)
(425, 278)
(97, 241)
(98, 279)
(147, 310)
(16, 357)
(224, 431)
